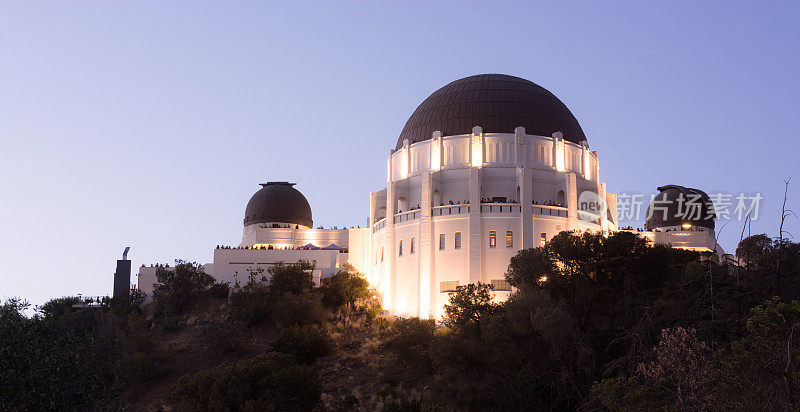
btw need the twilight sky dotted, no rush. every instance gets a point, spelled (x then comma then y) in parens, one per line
(150, 124)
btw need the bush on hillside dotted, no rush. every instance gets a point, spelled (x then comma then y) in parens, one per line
(411, 339)
(306, 343)
(251, 304)
(342, 290)
(176, 290)
(272, 382)
(290, 310)
(47, 365)
(294, 278)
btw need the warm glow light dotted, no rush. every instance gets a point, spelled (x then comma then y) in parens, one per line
(543, 279)
(436, 159)
(560, 157)
(477, 152)
(686, 225)
(424, 295)
(404, 165)
(387, 292)
(401, 306)
(587, 162)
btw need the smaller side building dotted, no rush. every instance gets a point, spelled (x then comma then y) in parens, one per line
(683, 218)
(278, 227)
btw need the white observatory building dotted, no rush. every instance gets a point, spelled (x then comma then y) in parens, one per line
(486, 166)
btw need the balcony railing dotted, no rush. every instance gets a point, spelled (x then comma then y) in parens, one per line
(486, 208)
(380, 225)
(501, 208)
(549, 210)
(448, 210)
(406, 216)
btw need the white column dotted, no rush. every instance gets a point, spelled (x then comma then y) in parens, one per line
(525, 183)
(389, 249)
(585, 170)
(572, 199)
(371, 259)
(425, 247)
(559, 162)
(477, 152)
(436, 151)
(475, 229)
(405, 167)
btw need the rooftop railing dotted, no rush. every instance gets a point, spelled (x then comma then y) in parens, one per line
(448, 210)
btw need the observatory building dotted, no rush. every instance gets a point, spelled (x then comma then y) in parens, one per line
(486, 166)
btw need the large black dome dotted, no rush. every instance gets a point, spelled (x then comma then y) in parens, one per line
(498, 103)
(677, 205)
(278, 202)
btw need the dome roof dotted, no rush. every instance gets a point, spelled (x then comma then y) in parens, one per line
(496, 102)
(678, 205)
(278, 202)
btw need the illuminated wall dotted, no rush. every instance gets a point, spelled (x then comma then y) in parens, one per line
(439, 187)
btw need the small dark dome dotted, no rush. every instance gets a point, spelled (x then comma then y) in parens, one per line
(677, 206)
(496, 102)
(278, 202)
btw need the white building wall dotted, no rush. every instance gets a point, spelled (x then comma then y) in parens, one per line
(465, 170)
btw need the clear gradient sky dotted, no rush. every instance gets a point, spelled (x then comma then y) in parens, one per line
(150, 124)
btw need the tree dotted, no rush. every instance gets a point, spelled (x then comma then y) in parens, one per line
(344, 289)
(681, 366)
(468, 304)
(51, 362)
(529, 266)
(57, 308)
(176, 289)
(272, 382)
(768, 356)
(293, 278)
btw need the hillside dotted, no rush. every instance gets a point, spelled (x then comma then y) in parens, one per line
(595, 322)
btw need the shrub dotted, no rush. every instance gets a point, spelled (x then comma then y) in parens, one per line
(290, 310)
(468, 304)
(46, 366)
(219, 290)
(55, 309)
(269, 382)
(411, 339)
(175, 290)
(293, 278)
(139, 358)
(221, 336)
(342, 290)
(306, 343)
(251, 304)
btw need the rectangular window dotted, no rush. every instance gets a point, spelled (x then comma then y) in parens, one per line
(441, 241)
(544, 237)
(458, 240)
(509, 238)
(412, 246)
(381, 253)
(448, 286)
(401, 249)
(492, 238)
(501, 285)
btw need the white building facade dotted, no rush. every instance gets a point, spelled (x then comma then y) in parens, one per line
(486, 166)
(461, 206)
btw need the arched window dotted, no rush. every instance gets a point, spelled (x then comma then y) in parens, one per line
(402, 204)
(437, 198)
(560, 198)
